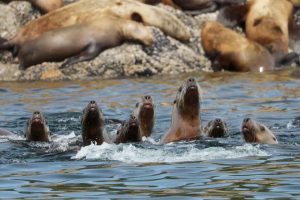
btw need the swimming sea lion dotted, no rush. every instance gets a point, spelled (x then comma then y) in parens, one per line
(186, 123)
(129, 131)
(92, 125)
(82, 42)
(84, 11)
(268, 22)
(37, 128)
(231, 51)
(4, 132)
(144, 112)
(255, 132)
(43, 5)
(216, 128)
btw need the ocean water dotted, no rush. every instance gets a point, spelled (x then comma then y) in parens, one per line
(225, 168)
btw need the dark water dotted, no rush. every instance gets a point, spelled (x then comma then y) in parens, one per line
(208, 169)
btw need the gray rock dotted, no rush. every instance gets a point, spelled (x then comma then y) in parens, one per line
(166, 56)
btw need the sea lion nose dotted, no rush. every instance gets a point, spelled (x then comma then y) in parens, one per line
(148, 97)
(132, 117)
(92, 102)
(191, 80)
(246, 120)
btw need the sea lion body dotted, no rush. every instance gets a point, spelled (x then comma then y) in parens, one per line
(37, 128)
(82, 42)
(216, 128)
(43, 5)
(129, 131)
(185, 123)
(231, 51)
(144, 112)
(267, 23)
(255, 132)
(92, 125)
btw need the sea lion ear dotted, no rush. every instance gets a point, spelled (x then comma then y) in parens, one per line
(175, 101)
(137, 104)
(294, 36)
(231, 16)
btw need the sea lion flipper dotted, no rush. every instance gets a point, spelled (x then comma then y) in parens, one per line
(294, 36)
(89, 53)
(233, 15)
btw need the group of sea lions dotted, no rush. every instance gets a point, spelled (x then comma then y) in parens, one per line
(185, 125)
(80, 31)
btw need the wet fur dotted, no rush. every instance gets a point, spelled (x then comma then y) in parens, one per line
(129, 132)
(37, 128)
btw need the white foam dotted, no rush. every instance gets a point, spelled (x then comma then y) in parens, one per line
(165, 154)
(290, 125)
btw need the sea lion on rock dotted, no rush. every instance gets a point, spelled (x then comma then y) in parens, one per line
(268, 22)
(92, 125)
(255, 132)
(43, 5)
(83, 12)
(231, 51)
(37, 128)
(82, 42)
(144, 112)
(216, 128)
(186, 123)
(129, 131)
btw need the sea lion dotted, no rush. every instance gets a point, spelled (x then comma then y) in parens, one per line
(43, 5)
(37, 128)
(186, 123)
(216, 128)
(83, 12)
(255, 132)
(82, 42)
(231, 51)
(144, 112)
(129, 131)
(4, 132)
(92, 125)
(269, 23)
(183, 4)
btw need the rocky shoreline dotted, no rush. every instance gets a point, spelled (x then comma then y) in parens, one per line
(166, 56)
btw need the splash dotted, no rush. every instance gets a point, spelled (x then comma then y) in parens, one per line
(165, 154)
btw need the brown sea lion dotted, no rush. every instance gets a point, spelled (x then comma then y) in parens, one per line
(85, 11)
(255, 132)
(4, 132)
(37, 128)
(268, 22)
(43, 5)
(231, 51)
(82, 42)
(186, 123)
(144, 112)
(129, 131)
(92, 125)
(216, 128)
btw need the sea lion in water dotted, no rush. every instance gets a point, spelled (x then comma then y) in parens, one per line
(269, 23)
(144, 112)
(255, 132)
(216, 128)
(37, 128)
(92, 125)
(82, 42)
(231, 51)
(186, 123)
(4, 132)
(83, 12)
(129, 131)
(43, 5)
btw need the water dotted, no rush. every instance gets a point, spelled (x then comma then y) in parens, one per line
(208, 169)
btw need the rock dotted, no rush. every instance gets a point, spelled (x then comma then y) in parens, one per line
(166, 56)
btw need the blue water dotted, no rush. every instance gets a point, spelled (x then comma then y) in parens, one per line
(207, 169)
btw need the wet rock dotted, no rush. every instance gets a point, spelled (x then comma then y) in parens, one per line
(166, 56)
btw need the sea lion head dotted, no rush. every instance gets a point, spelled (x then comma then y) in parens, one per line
(188, 98)
(92, 115)
(37, 128)
(255, 132)
(216, 128)
(129, 131)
